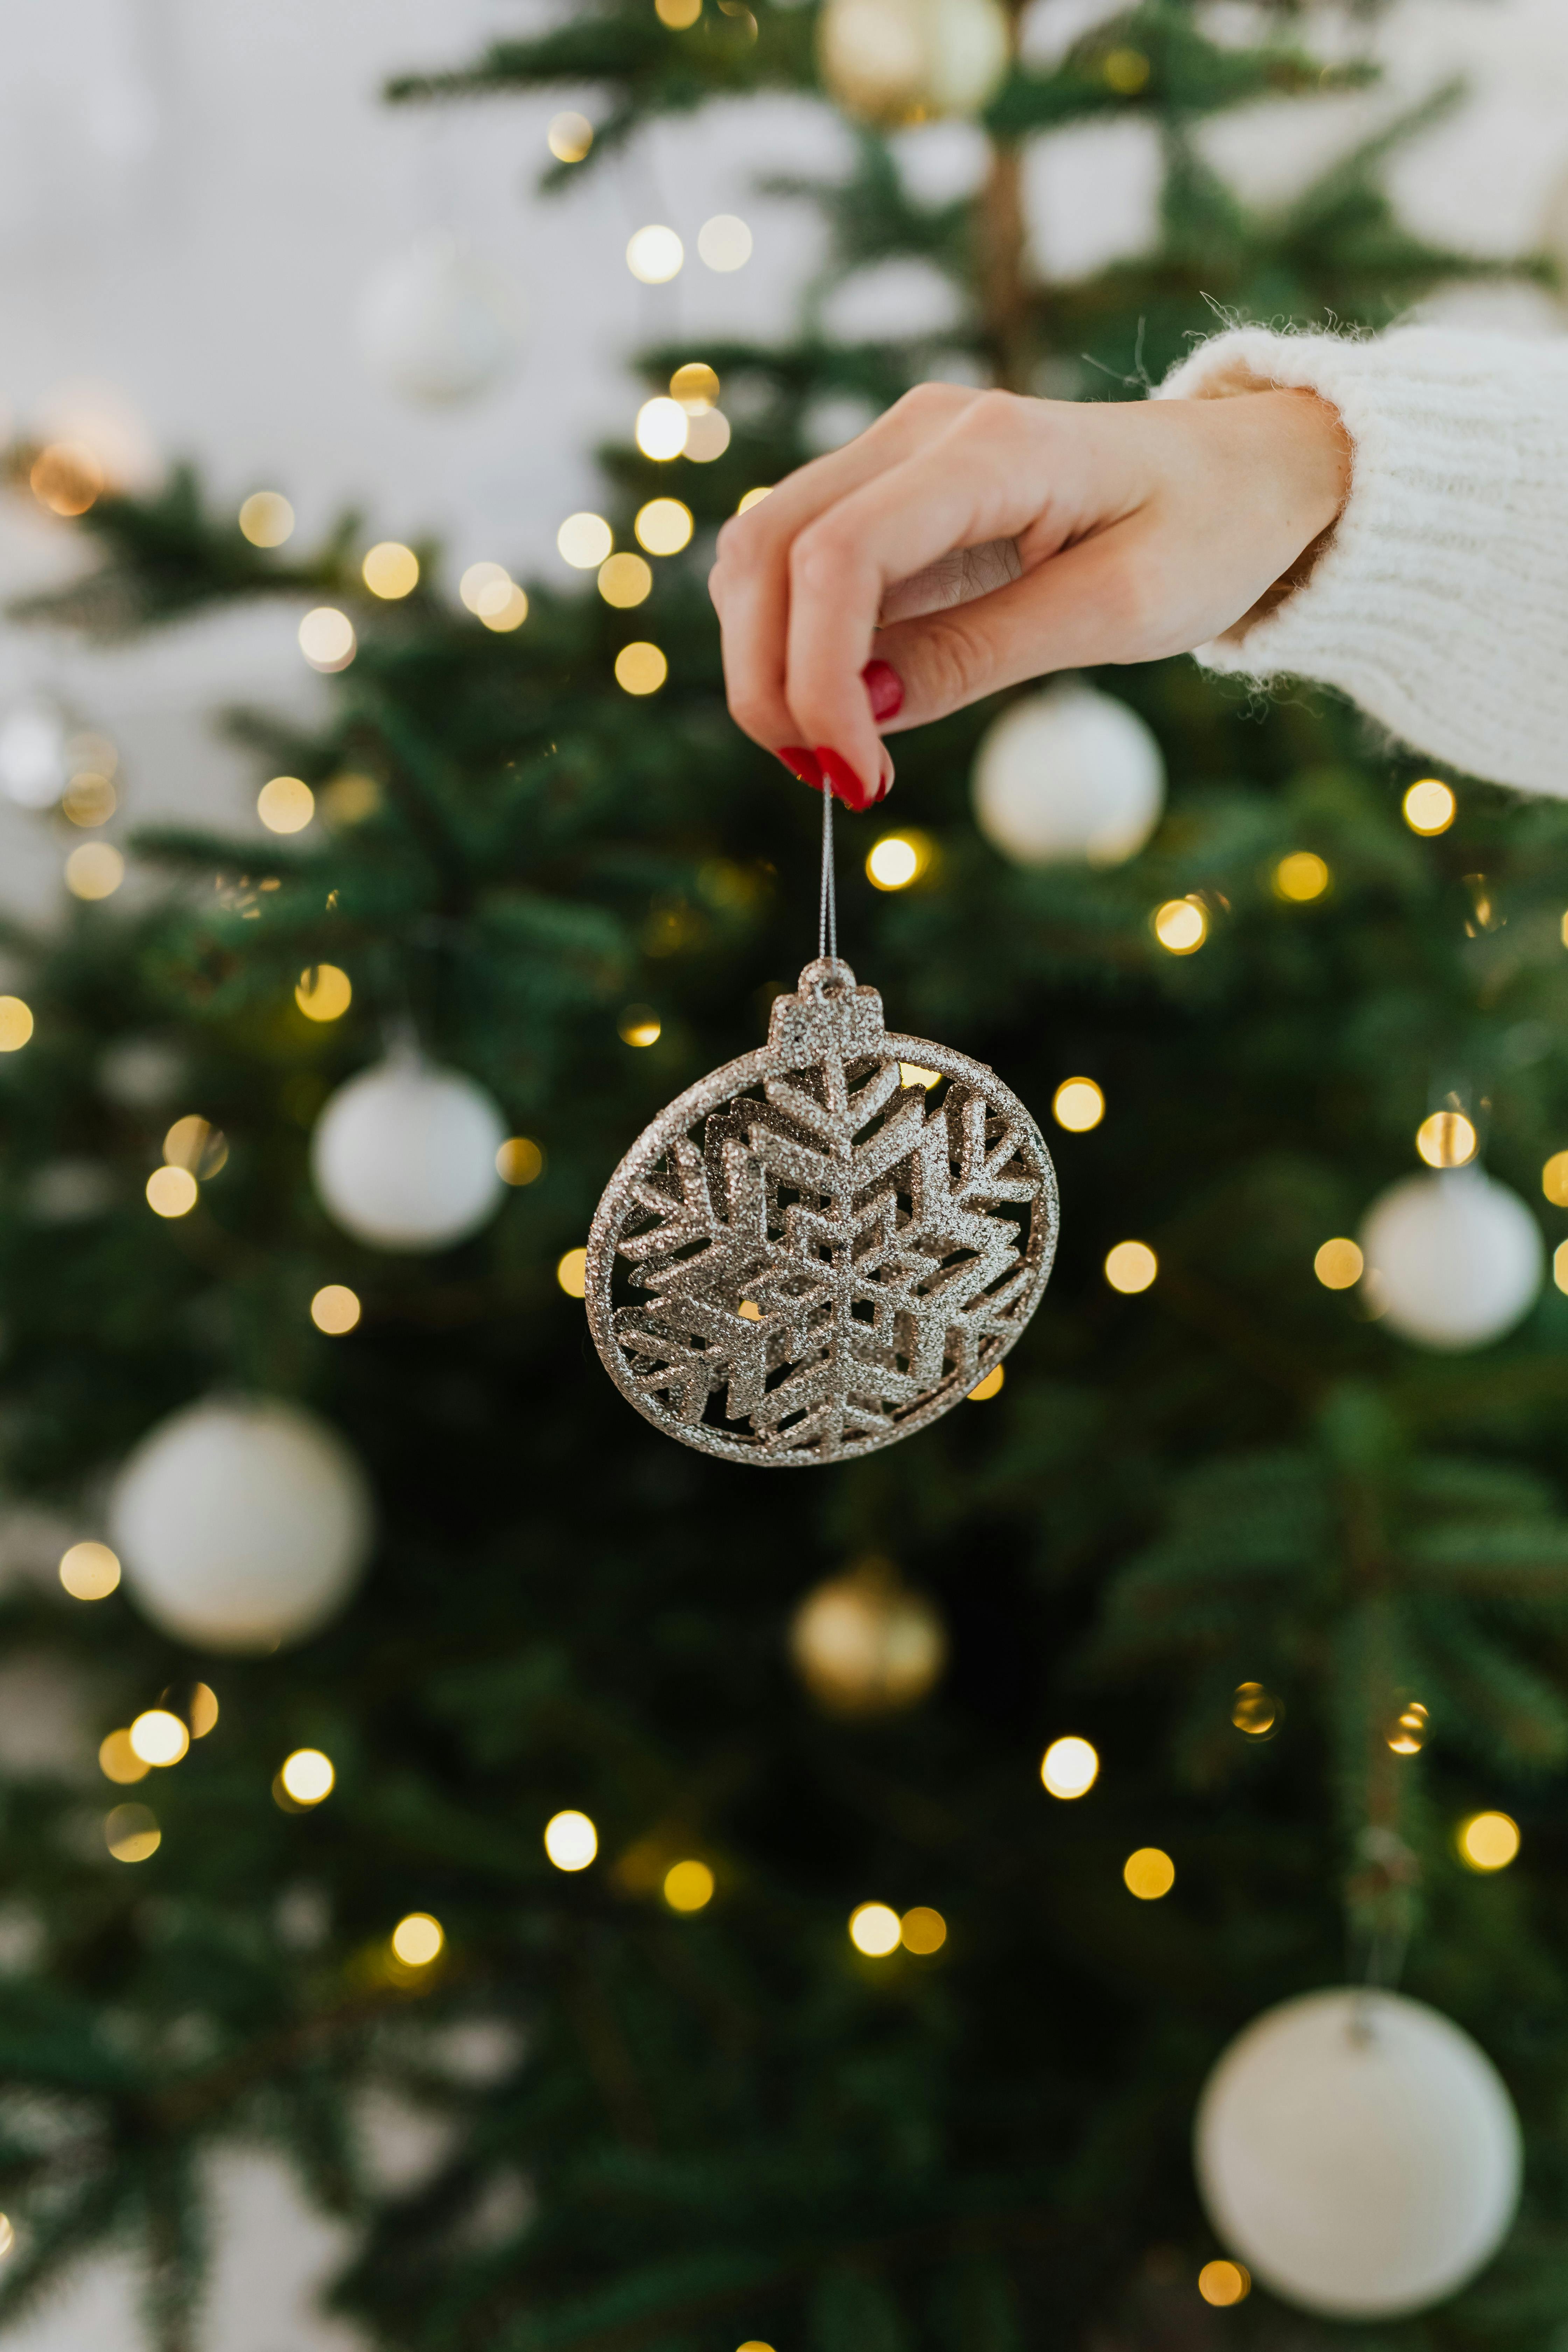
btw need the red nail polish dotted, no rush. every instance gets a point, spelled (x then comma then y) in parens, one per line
(886, 688)
(801, 766)
(847, 785)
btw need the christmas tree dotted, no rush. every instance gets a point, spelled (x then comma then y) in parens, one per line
(771, 1992)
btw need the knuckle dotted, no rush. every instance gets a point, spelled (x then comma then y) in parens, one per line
(952, 660)
(931, 404)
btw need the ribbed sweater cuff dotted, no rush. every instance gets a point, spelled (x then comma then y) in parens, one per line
(1440, 602)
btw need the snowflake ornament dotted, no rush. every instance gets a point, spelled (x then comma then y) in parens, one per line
(826, 1244)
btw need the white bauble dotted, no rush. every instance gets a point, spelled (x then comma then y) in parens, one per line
(437, 325)
(1068, 775)
(241, 1525)
(903, 60)
(404, 1155)
(1358, 2153)
(1453, 1260)
(33, 769)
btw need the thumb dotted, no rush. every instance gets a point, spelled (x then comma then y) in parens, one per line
(1076, 609)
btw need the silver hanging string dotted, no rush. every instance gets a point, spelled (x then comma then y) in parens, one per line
(828, 915)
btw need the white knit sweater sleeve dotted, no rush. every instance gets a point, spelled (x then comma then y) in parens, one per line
(1440, 602)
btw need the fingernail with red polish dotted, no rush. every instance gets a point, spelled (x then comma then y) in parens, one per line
(886, 688)
(847, 785)
(800, 765)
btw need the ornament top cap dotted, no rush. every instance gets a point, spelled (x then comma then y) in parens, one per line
(829, 1013)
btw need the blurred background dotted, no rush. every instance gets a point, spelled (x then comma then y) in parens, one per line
(195, 199)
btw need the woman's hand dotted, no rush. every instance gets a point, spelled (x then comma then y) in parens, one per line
(970, 540)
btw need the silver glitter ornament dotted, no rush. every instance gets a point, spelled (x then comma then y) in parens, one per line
(823, 1245)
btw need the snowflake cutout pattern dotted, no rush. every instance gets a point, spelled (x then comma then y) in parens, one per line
(825, 1244)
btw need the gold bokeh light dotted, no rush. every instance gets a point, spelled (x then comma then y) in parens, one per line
(159, 1737)
(1301, 876)
(390, 570)
(571, 1273)
(1078, 1105)
(1181, 926)
(624, 581)
(1447, 1140)
(689, 1886)
(267, 518)
(118, 1760)
(639, 1025)
(655, 255)
(1429, 806)
(1254, 1710)
(664, 526)
(132, 1833)
(324, 993)
(66, 477)
(1131, 1268)
(751, 499)
(1222, 2284)
(991, 1386)
(875, 1930)
(1149, 1874)
(1069, 1767)
(89, 1571)
(172, 1192)
(1406, 1735)
(640, 668)
(519, 1161)
(923, 1931)
(570, 134)
(583, 540)
(899, 859)
(696, 386)
(570, 1841)
(678, 14)
(95, 870)
(418, 1939)
(327, 638)
(1339, 1264)
(1488, 1840)
(16, 1023)
(335, 1308)
(663, 428)
(307, 1775)
(286, 805)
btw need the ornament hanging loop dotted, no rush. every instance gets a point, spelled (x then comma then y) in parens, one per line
(827, 912)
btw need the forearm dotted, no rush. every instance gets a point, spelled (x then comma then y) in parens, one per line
(1440, 601)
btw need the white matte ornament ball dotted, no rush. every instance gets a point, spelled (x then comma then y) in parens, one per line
(906, 60)
(404, 1155)
(1453, 1259)
(1068, 776)
(242, 1525)
(437, 325)
(1358, 2153)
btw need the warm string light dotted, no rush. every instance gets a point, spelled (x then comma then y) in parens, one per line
(1222, 2284)
(95, 870)
(1429, 806)
(89, 1571)
(324, 993)
(899, 859)
(307, 1778)
(267, 518)
(172, 1192)
(519, 1161)
(991, 1386)
(1406, 1735)
(132, 1833)
(664, 526)
(689, 1886)
(88, 799)
(418, 1940)
(158, 1737)
(640, 668)
(1255, 1710)
(655, 255)
(16, 1023)
(570, 1841)
(390, 570)
(335, 1308)
(1181, 926)
(1487, 1842)
(639, 1025)
(1131, 1268)
(286, 805)
(624, 581)
(1069, 1767)
(915, 1073)
(1078, 1105)
(877, 1931)
(1447, 1140)
(192, 1142)
(327, 638)
(1339, 1264)
(583, 540)
(751, 499)
(67, 479)
(571, 1273)
(570, 134)
(725, 243)
(663, 428)
(1301, 876)
(1149, 1874)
